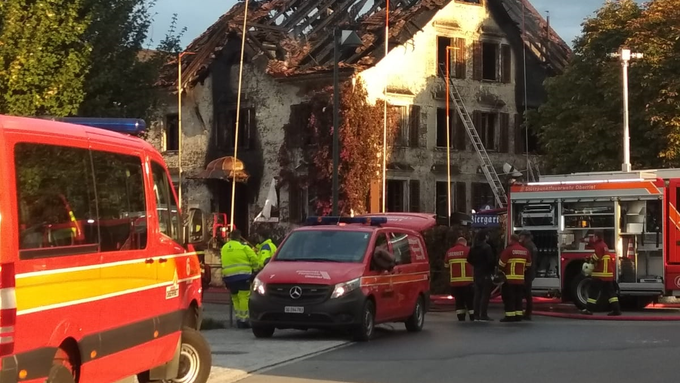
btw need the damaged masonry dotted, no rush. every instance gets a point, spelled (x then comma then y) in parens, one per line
(289, 55)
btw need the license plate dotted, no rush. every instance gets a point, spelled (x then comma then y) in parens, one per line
(294, 309)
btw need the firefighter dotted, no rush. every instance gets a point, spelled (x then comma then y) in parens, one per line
(525, 240)
(460, 278)
(514, 261)
(239, 261)
(602, 276)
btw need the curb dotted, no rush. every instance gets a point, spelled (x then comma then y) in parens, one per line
(629, 318)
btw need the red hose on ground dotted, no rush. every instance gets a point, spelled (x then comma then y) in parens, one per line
(650, 318)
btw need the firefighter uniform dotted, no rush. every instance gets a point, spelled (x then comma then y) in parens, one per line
(239, 261)
(265, 250)
(513, 262)
(602, 277)
(460, 279)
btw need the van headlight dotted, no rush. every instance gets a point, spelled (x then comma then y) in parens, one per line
(342, 289)
(259, 286)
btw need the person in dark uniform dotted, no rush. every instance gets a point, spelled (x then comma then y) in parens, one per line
(530, 273)
(483, 260)
(460, 278)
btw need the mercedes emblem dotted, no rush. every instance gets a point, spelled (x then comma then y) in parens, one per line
(295, 292)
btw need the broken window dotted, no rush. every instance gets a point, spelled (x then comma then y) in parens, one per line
(171, 132)
(521, 137)
(491, 62)
(299, 119)
(298, 203)
(457, 59)
(226, 128)
(482, 196)
(485, 124)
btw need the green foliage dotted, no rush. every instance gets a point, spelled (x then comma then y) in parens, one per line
(43, 57)
(580, 126)
(438, 240)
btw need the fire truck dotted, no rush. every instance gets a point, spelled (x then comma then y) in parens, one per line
(637, 213)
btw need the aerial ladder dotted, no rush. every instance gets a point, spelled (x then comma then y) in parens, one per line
(487, 166)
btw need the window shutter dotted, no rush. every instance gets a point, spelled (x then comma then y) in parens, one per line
(414, 126)
(414, 196)
(459, 133)
(506, 63)
(294, 203)
(461, 58)
(504, 144)
(477, 61)
(519, 137)
(461, 197)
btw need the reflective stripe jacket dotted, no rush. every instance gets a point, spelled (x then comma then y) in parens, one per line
(514, 261)
(460, 271)
(265, 250)
(238, 261)
(604, 262)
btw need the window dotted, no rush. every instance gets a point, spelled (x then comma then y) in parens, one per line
(299, 204)
(485, 124)
(401, 248)
(396, 196)
(403, 121)
(119, 181)
(491, 62)
(171, 132)
(458, 138)
(521, 137)
(225, 129)
(482, 196)
(457, 59)
(56, 200)
(166, 206)
(414, 196)
(325, 245)
(458, 198)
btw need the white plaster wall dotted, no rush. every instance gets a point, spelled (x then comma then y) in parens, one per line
(413, 66)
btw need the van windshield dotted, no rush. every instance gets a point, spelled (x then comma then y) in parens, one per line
(325, 246)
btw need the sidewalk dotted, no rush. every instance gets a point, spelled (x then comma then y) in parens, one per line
(237, 353)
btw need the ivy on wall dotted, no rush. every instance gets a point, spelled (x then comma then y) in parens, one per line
(361, 140)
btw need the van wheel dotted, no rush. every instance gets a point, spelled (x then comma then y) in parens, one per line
(263, 331)
(195, 359)
(416, 321)
(366, 329)
(60, 374)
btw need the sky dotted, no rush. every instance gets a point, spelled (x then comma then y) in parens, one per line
(565, 16)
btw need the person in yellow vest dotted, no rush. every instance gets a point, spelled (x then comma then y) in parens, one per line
(239, 261)
(460, 278)
(265, 250)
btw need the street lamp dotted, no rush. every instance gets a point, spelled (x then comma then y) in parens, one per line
(625, 55)
(180, 88)
(341, 39)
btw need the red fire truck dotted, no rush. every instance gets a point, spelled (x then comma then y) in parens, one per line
(637, 212)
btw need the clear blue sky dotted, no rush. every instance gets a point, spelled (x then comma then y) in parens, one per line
(198, 15)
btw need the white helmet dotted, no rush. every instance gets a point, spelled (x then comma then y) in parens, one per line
(587, 268)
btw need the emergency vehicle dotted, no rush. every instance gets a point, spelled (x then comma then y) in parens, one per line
(329, 274)
(637, 212)
(98, 281)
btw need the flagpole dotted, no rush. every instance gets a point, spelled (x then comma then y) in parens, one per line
(384, 148)
(238, 116)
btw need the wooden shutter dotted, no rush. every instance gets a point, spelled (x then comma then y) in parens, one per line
(461, 197)
(477, 64)
(519, 137)
(458, 58)
(504, 136)
(506, 63)
(414, 196)
(459, 133)
(414, 126)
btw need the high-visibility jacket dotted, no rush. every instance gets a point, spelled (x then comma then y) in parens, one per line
(460, 271)
(238, 261)
(604, 262)
(514, 261)
(265, 250)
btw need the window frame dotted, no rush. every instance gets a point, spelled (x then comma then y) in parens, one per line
(175, 229)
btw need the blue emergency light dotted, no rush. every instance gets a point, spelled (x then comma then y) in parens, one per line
(328, 220)
(132, 126)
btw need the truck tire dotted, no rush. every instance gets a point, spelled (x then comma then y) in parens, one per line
(416, 321)
(60, 374)
(579, 293)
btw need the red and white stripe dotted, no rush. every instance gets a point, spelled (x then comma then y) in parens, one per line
(8, 308)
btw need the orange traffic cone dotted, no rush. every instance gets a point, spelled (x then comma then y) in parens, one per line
(630, 253)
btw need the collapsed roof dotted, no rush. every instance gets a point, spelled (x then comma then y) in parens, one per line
(296, 36)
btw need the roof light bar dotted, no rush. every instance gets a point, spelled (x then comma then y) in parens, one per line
(132, 126)
(330, 220)
(583, 182)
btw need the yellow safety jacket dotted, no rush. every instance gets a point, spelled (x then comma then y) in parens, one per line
(238, 260)
(265, 250)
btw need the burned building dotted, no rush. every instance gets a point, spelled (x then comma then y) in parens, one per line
(501, 51)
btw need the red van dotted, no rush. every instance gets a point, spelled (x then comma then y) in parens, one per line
(327, 275)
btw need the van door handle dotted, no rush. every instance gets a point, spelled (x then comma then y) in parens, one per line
(149, 260)
(162, 260)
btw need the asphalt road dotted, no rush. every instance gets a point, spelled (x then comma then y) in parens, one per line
(544, 350)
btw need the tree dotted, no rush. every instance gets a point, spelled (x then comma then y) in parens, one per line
(43, 58)
(122, 73)
(580, 124)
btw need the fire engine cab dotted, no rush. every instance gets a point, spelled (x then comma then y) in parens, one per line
(637, 212)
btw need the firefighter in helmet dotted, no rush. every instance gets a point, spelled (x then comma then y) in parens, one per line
(602, 275)
(460, 278)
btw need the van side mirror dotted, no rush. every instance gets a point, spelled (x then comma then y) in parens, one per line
(194, 229)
